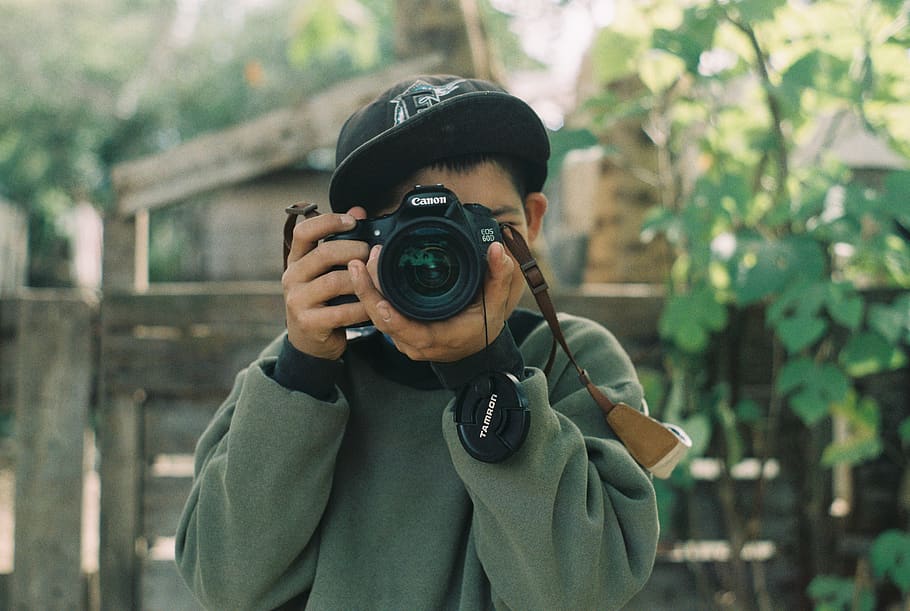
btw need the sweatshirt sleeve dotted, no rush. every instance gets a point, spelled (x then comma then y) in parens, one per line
(263, 473)
(569, 521)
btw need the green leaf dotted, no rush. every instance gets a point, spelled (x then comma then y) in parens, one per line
(698, 427)
(887, 321)
(892, 321)
(733, 442)
(831, 381)
(852, 451)
(800, 332)
(830, 591)
(652, 382)
(847, 311)
(678, 325)
(748, 411)
(869, 352)
(688, 41)
(814, 70)
(812, 297)
(802, 296)
(801, 74)
(760, 273)
(765, 267)
(861, 420)
(680, 45)
(794, 374)
(812, 387)
(890, 557)
(810, 406)
(893, 7)
(752, 11)
(688, 319)
(711, 313)
(659, 71)
(613, 55)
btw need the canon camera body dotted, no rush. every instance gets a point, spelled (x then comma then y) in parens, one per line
(433, 258)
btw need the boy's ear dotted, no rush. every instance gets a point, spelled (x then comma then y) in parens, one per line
(535, 209)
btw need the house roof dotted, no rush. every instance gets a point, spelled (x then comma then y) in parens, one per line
(844, 136)
(272, 141)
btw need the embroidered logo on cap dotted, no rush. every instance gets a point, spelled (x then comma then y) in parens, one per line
(420, 96)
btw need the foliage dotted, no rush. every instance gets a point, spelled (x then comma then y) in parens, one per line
(890, 556)
(96, 82)
(736, 97)
(839, 594)
(888, 562)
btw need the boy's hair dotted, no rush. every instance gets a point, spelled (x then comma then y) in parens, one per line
(513, 168)
(444, 119)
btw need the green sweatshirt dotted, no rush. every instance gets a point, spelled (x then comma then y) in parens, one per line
(363, 498)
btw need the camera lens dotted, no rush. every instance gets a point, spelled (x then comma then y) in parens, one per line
(430, 270)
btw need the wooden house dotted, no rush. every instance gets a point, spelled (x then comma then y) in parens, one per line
(234, 185)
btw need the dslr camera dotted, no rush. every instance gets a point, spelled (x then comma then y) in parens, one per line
(433, 258)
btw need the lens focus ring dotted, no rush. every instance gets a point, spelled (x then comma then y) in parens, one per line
(430, 269)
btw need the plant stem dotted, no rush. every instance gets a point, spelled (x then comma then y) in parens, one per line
(774, 108)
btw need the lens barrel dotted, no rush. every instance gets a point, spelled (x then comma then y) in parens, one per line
(430, 269)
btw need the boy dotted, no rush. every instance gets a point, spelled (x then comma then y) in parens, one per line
(333, 476)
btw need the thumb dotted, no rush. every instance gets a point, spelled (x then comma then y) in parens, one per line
(500, 267)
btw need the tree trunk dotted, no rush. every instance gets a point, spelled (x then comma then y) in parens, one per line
(451, 27)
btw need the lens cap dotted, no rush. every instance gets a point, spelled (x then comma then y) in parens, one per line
(492, 416)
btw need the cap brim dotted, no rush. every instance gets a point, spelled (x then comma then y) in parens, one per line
(486, 122)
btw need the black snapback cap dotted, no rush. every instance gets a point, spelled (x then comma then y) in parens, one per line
(425, 119)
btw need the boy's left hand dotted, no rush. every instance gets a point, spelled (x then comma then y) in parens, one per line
(446, 340)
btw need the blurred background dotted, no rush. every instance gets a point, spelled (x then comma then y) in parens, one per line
(730, 195)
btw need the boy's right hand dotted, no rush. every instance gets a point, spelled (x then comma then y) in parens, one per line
(309, 282)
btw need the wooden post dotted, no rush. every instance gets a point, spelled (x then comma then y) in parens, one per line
(119, 257)
(55, 366)
(121, 476)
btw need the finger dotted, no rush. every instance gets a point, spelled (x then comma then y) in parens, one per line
(320, 322)
(308, 232)
(322, 289)
(373, 266)
(377, 308)
(497, 284)
(358, 212)
(324, 258)
(320, 331)
(342, 315)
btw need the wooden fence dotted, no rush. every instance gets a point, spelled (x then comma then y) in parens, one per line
(154, 366)
(168, 360)
(47, 373)
(13, 246)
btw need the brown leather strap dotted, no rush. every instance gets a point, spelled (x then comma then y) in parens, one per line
(655, 446)
(294, 210)
(532, 273)
(531, 270)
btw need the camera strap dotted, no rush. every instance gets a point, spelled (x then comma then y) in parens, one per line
(656, 446)
(303, 209)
